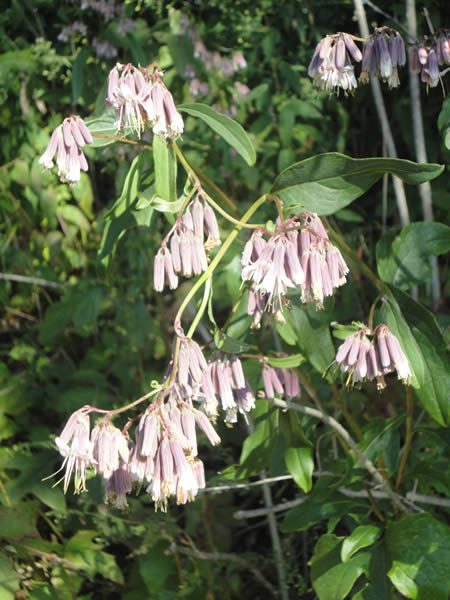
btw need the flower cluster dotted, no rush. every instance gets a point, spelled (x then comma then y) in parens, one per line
(428, 55)
(280, 382)
(67, 143)
(368, 355)
(140, 97)
(184, 249)
(331, 66)
(383, 53)
(230, 386)
(298, 255)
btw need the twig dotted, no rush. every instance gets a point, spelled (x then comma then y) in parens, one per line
(419, 144)
(225, 556)
(387, 16)
(31, 280)
(346, 437)
(399, 188)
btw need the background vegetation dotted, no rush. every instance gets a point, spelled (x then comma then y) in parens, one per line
(98, 334)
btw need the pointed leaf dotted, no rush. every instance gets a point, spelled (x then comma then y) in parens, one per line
(300, 464)
(361, 537)
(165, 169)
(327, 182)
(227, 128)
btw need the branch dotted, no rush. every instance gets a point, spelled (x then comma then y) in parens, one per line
(346, 437)
(31, 280)
(195, 553)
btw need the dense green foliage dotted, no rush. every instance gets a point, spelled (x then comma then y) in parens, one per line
(95, 332)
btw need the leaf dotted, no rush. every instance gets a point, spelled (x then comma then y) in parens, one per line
(9, 579)
(325, 183)
(88, 309)
(77, 78)
(72, 214)
(286, 362)
(361, 537)
(227, 128)
(421, 340)
(227, 344)
(331, 578)
(51, 496)
(257, 447)
(104, 125)
(419, 548)
(130, 188)
(156, 566)
(165, 169)
(300, 464)
(20, 520)
(404, 261)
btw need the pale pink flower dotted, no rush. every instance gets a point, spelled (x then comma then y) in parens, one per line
(280, 382)
(356, 357)
(110, 448)
(443, 48)
(231, 386)
(118, 485)
(390, 354)
(66, 143)
(331, 66)
(75, 447)
(383, 53)
(168, 121)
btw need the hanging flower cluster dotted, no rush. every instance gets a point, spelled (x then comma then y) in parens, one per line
(230, 386)
(184, 249)
(430, 53)
(280, 382)
(367, 355)
(297, 255)
(331, 66)
(383, 53)
(139, 98)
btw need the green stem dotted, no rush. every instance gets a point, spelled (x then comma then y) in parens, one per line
(220, 254)
(216, 189)
(408, 437)
(227, 216)
(201, 309)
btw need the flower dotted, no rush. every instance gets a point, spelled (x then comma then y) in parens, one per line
(367, 355)
(75, 446)
(331, 66)
(443, 48)
(110, 448)
(390, 354)
(183, 250)
(383, 53)
(230, 386)
(168, 121)
(118, 485)
(129, 92)
(67, 142)
(280, 381)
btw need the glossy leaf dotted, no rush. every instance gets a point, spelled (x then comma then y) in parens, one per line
(286, 362)
(404, 260)
(300, 464)
(325, 183)
(104, 125)
(424, 346)
(361, 537)
(130, 187)
(331, 578)
(227, 128)
(419, 548)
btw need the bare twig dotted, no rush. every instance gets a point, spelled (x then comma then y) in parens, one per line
(31, 280)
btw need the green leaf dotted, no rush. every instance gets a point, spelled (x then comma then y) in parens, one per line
(404, 261)
(300, 464)
(325, 183)
(421, 340)
(331, 578)
(20, 520)
(104, 125)
(9, 579)
(361, 537)
(88, 309)
(165, 169)
(156, 566)
(257, 447)
(227, 344)
(130, 187)
(419, 548)
(51, 496)
(74, 215)
(286, 362)
(227, 128)
(77, 78)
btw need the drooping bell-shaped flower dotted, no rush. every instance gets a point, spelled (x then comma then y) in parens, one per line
(67, 142)
(168, 121)
(331, 66)
(383, 53)
(231, 386)
(280, 382)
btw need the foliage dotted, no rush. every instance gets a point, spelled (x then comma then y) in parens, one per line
(89, 329)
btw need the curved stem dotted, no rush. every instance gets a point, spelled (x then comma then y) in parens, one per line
(220, 254)
(207, 181)
(201, 309)
(116, 411)
(227, 216)
(118, 139)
